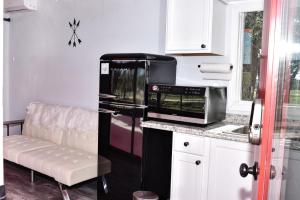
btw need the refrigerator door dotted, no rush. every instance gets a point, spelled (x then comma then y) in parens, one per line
(121, 132)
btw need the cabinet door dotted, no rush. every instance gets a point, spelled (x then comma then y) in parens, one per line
(291, 176)
(225, 181)
(187, 177)
(188, 25)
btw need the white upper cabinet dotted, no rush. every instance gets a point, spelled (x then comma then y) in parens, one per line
(195, 27)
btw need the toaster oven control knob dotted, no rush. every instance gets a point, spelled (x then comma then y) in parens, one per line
(155, 88)
(203, 46)
(186, 144)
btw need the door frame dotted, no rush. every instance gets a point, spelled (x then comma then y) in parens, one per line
(268, 89)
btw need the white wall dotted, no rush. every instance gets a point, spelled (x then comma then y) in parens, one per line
(44, 68)
(2, 55)
(6, 75)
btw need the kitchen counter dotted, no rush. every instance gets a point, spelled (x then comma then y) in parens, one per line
(220, 130)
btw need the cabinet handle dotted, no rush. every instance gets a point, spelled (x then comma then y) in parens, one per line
(186, 144)
(198, 162)
(203, 46)
(245, 170)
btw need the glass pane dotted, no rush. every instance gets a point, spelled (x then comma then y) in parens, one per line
(170, 101)
(192, 103)
(140, 86)
(251, 51)
(286, 135)
(122, 84)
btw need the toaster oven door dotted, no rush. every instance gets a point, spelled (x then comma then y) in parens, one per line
(184, 104)
(193, 103)
(177, 104)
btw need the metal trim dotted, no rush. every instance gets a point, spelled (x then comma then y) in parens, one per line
(2, 192)
(255, 123)
(176, 118)
(32, 176)
(120, 61)
(63, 191)
(105, 186)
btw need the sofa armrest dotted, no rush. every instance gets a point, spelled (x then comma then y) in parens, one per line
(13, 123)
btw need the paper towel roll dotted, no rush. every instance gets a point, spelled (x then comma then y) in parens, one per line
(215, 68)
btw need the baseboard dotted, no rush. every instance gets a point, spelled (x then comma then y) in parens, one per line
(2, 192)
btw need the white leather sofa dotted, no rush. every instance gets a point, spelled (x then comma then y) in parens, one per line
(61, 142)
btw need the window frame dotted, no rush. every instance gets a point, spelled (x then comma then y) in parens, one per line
(235, 103)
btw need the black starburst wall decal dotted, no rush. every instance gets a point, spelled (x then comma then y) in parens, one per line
(74, 38)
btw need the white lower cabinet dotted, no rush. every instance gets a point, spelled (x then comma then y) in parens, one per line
(187, 176)
(216, 176)
(225, 181)
(291, 176)
(189, 167)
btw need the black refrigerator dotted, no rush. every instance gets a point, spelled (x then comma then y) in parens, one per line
(123, 86)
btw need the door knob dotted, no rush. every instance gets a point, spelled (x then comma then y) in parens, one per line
(272, 172)
(245, 170)
(186, 144)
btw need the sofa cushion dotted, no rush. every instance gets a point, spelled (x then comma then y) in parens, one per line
(66, 165)
(14, 145)
(70, 126)
(46, 121)
(82, 130)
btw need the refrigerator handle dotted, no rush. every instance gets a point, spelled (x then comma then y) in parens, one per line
(106, 111)
(107, 96)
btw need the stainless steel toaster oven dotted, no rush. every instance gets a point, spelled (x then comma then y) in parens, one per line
(186, 104)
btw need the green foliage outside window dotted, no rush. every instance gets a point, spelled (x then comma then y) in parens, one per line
(250, 76)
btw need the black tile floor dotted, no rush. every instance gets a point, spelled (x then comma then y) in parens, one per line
(123, 181)
(19, 187)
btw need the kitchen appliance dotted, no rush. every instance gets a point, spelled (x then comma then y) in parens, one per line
(126, 76)
(198, 105)
(124, 80)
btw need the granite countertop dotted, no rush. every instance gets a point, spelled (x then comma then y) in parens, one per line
(220, 130)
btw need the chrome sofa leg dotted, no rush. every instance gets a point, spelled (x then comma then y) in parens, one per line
(32, 176)
(64, 192)
(104, 183)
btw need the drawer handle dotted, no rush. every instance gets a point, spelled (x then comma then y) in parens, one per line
(198, 162)
(186, 144)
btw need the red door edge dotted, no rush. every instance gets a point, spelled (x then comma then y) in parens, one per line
(268, 88)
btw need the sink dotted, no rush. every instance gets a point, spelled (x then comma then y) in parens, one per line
(242, 130)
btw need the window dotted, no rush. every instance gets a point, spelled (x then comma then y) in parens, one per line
(294, 39)
(294, 97)
(293, 42)
(253, 22)
(246, 21)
